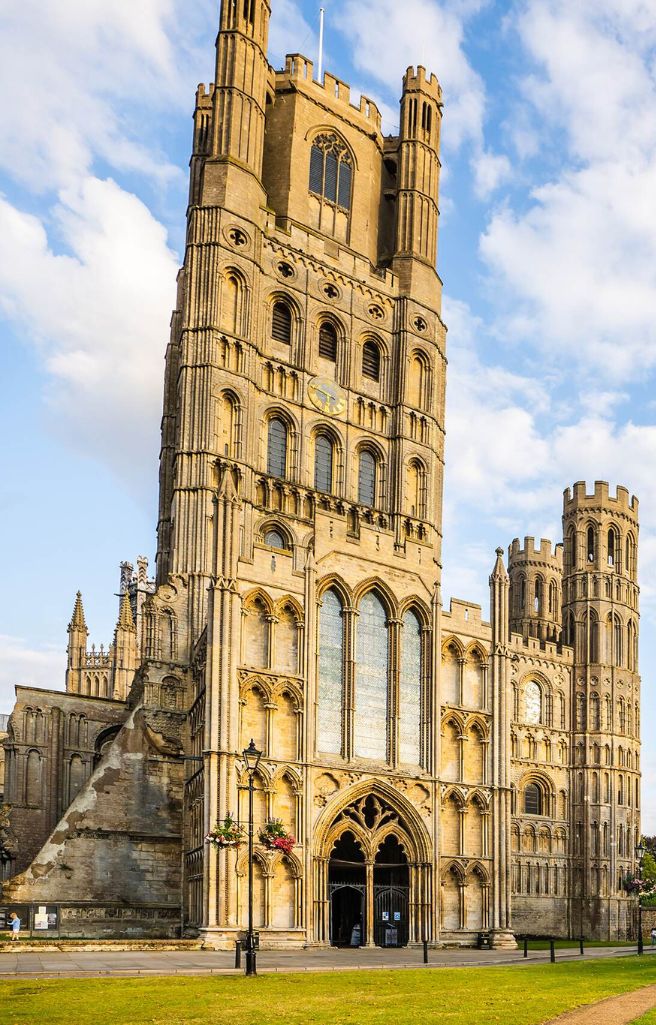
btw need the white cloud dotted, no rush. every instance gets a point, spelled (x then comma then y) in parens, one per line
(575, 268)
(68, 73)
(490, 171)
(388, 37)
(99, 314)
(32, 667)
(289, 32)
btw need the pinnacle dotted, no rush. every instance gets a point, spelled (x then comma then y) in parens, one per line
(78, 621)
(125, 618)
(499, 566)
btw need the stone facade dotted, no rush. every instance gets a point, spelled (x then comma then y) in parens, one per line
(441, 774)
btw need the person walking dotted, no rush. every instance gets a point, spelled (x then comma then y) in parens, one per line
(14, 925)
(653, 937)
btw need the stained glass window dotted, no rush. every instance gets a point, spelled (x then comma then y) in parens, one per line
(330, 684)
(371, 689)
(410, 691)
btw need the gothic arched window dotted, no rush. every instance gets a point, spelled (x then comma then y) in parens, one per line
(371, 361)
(410, 682)
(277, 447)
(281, 322)
(331, 171)
(330, 684)
(371, 690)
(323, 463)
(367, 478)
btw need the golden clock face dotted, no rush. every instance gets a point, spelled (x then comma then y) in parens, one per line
(327, 396)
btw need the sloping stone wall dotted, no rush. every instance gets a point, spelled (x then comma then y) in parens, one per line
(114, 857)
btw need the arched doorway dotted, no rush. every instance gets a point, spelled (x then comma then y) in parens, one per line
(391, 894)
(373, 882)
(347, 889)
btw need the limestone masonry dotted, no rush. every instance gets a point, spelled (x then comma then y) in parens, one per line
(442, 775)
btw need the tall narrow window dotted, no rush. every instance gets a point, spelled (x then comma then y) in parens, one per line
(277, 447)
(330, 684)
(537, 598)
(371, 361)
(281, 323)
(371, 691)
(532, 799)
(225, 425)
(367, 478)
(331, 171)
(328, 341)
(612, 547)
(416, 493)
(231, 301)
(591, 544)
(410, 691)
(323, 463)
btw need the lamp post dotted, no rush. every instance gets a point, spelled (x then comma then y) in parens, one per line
(251, 761)
(640, 852)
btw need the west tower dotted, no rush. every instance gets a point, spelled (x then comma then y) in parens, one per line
(301, 479)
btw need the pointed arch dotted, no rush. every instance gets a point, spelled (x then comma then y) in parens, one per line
(418, 837)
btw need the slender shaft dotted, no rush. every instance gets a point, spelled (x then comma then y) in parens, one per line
(250, 944)
(320, 64)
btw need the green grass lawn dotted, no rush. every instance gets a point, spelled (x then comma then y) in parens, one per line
(522, 995)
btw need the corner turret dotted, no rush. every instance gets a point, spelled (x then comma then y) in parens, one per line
(536, 587)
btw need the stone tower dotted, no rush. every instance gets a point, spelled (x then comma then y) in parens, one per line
(536, 588)
(600, 620)
(302, 471)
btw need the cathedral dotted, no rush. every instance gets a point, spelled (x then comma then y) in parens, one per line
(434, 774)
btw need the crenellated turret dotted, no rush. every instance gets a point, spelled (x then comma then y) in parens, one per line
(536, 583)
(418, 169)
(234, 139)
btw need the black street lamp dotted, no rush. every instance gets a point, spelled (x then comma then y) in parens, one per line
(640, 852)
(251, 761)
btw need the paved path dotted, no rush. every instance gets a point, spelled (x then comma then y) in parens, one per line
(619, 1010)
(88, 964)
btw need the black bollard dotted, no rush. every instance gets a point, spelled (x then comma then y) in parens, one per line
(526, 946)
(238, 954)
(425, 951)
(552, 950)
(581, 951)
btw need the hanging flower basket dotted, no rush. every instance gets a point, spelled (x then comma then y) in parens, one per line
(274, 836)
(226, 834)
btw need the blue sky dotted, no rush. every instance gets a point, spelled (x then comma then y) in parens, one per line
(547, 251)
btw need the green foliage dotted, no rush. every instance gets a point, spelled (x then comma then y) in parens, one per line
(515, 995)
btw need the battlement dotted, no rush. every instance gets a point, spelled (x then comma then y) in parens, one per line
(578, 497)
(418, 81)
(204, 95)
(300, 70)
(545, 553)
